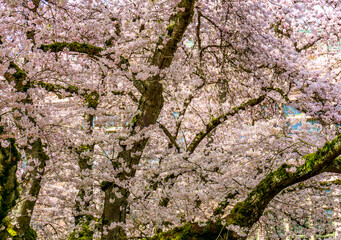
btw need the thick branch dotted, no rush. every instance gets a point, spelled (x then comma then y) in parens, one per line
(248, 212)
(215, 122)
(169, 135)
(90, 97)
(163, 58)
(20, 76)
(124, 93)
(193, 231)
(335, 167)
(73, 47)
(55, 88)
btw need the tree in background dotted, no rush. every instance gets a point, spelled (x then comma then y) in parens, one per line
(195, 90)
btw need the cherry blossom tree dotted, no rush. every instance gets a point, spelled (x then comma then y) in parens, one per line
(165, 119)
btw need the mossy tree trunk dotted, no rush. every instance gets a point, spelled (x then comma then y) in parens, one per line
(27, 206)
(116, 197)
(246, 213)
(9, 158)
(23, 229)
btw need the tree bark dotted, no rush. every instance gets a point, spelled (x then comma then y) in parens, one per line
(9, 158)
(23, 229)
(246, 213)
(114, 211)
(82, 202)
(150, 106)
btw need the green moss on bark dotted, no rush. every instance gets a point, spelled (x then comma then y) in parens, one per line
(30, 234)
(92, 99)
(193, 231)
(9, 232)
(9, 192)
(84, 234)
(246, 213)
(73, 47)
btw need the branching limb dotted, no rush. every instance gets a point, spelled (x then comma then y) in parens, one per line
(163, 57)
(187, 102)
(73, 47)
(123, 93)
(248, 212)
(215, 122)
(169, 135)
(278, 90)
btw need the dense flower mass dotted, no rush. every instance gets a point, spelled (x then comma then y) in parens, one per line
(177, 119)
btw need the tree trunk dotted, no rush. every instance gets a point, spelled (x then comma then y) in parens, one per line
(83, 201)
(150, 106)
(115, 211)
(115, 207)
(116, 197)
(9, 157)
(23, 229)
